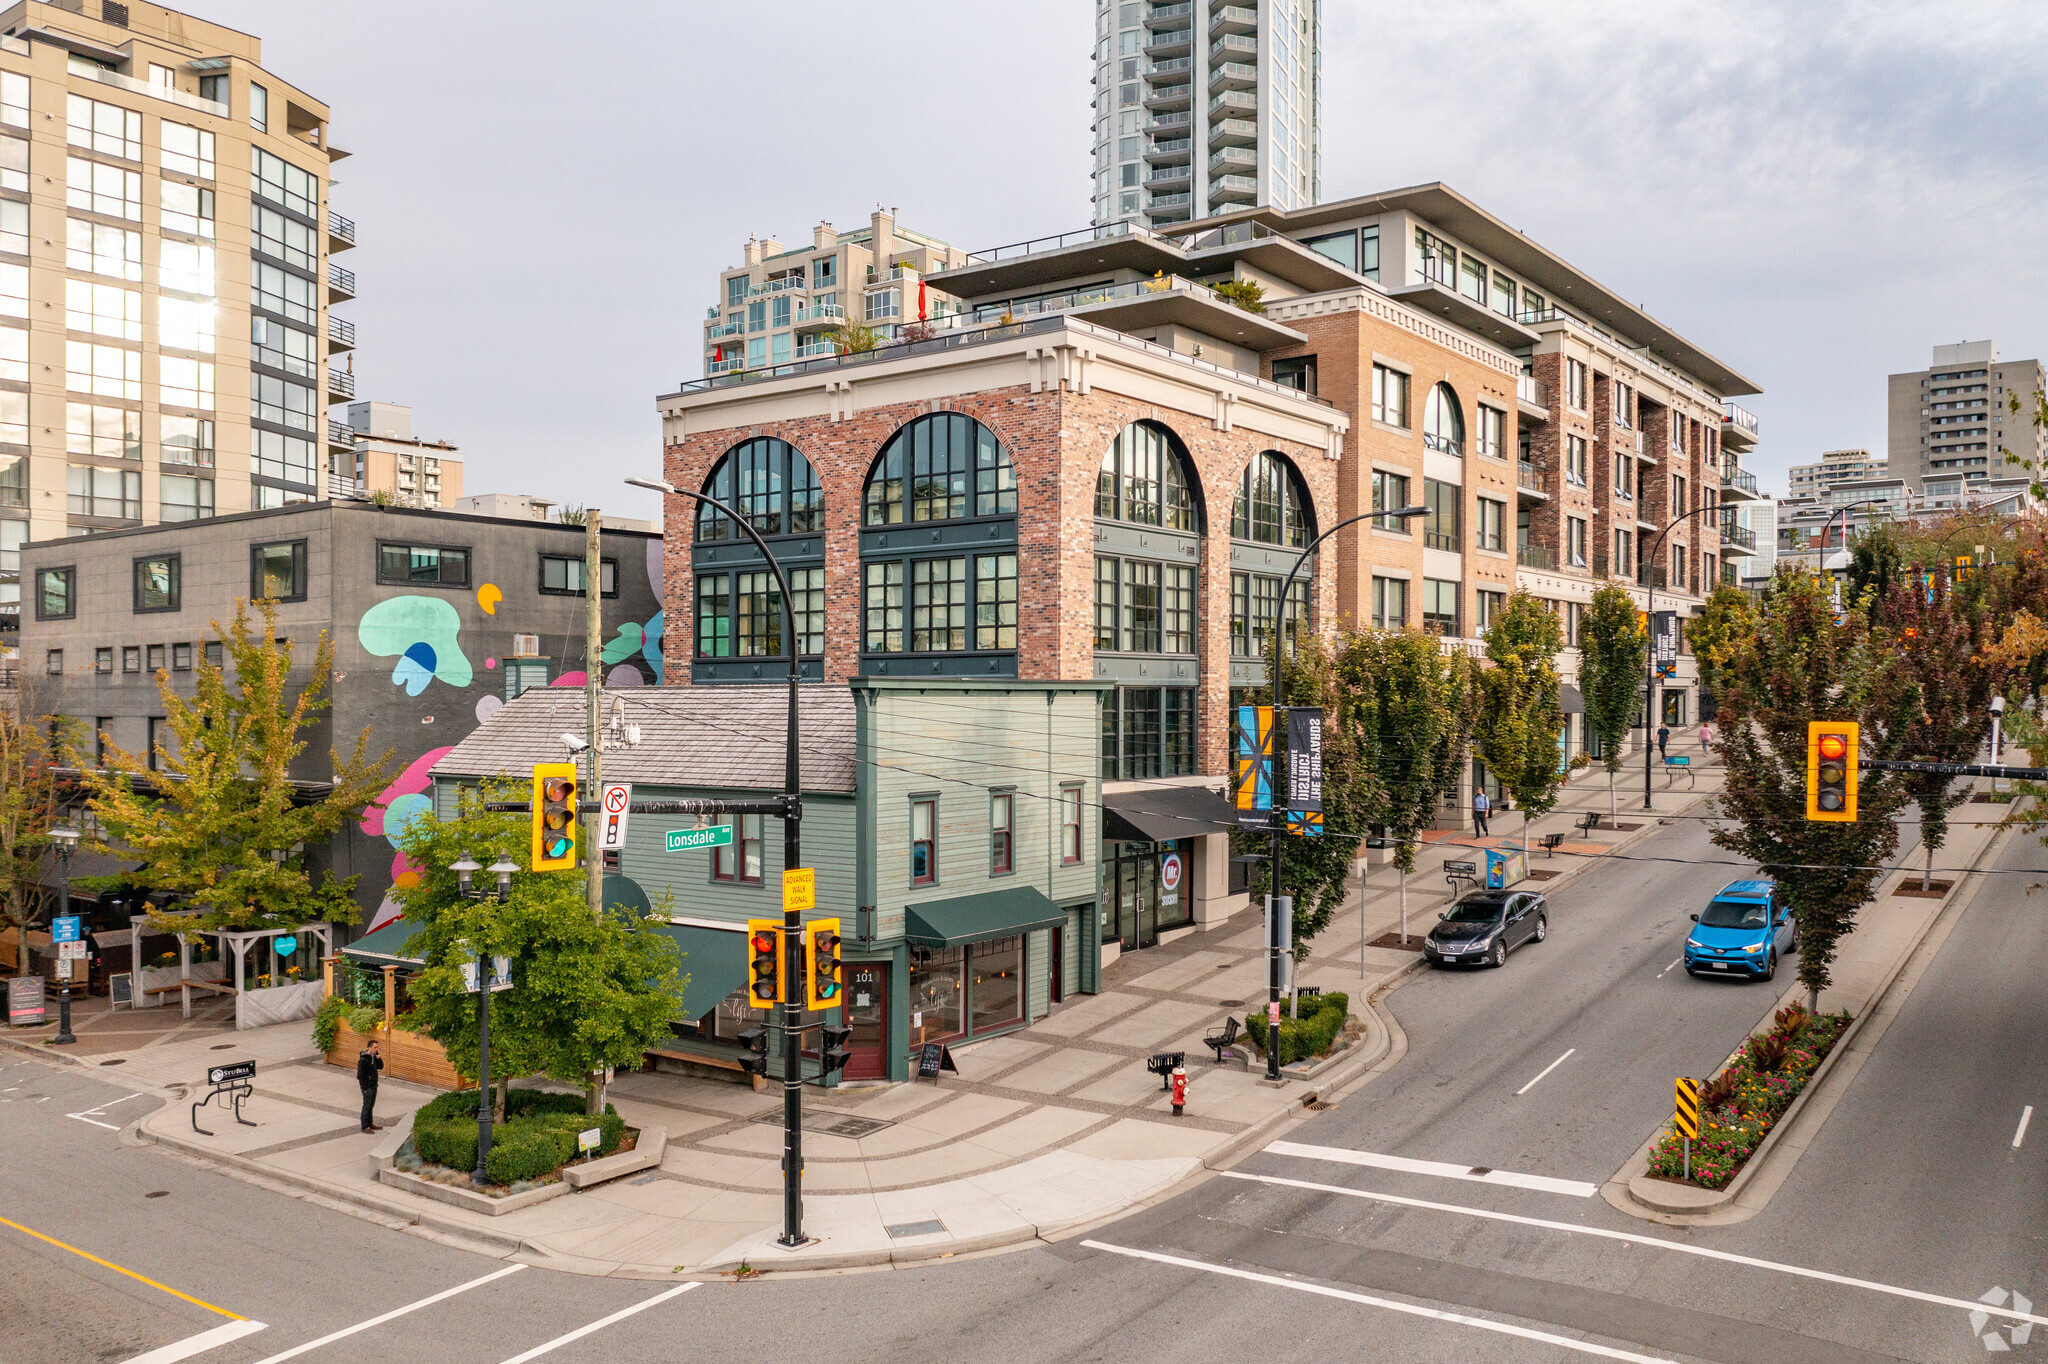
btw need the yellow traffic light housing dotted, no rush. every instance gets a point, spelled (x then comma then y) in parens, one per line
(764, 963)
(1831, 755)
(821, 950)
(554, 816)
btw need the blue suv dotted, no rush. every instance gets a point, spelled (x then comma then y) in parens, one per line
(1743, 931)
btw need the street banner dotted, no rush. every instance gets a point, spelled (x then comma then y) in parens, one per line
(1664, 633)
(1305, 768)
(1254, 779)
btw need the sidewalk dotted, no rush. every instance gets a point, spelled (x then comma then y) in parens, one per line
(1045, 1130)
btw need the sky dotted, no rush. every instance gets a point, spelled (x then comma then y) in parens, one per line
(544, 194)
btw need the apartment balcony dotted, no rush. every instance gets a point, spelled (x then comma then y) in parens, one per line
(1234, 132)
(1532, 396)
(1169, 97)
(1738, 485)
(1170, 217)
(1738, 428)
(1444, 540)
(1182, 175)
(1736, 539)
(1174, 149)
(1169, 16)
(718, 331)
(341, 385)
(819, 317)
(1177, 42)
(1536, 556)
(1232, 103)
(340, 436)
(341, 284)
(732, 366)
(1240, 160)
(1653, 576)
(1160, 203)
(1531, 480)
(344, 485)
(1167, 123)
(341, 334)
(1180, 68)
(1232, 47)
(1233, 189)
(812, 349)
(1233, 76)
(1233, 19)
(341, 232)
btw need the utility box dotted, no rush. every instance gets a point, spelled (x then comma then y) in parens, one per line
(1505, 866)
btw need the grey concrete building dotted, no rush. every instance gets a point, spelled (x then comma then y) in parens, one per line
(1947, 425)
(1834, 466)
(437, 620)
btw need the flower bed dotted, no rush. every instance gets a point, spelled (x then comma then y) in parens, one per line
(1740, 1106)
(1322, 1019)
(529, 1146)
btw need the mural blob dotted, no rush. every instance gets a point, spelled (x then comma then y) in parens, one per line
(488, 596)
(421, 632)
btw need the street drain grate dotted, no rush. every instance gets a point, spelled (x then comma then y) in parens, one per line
(117, 1061)
(1231, 1003)
(158, 1193)
(902, 1229)
(225, 1046)
(832, 1124)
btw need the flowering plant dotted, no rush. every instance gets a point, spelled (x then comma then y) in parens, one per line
(1741, 1105)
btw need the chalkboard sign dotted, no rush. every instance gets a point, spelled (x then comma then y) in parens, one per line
(121, 987)
(935, 1057)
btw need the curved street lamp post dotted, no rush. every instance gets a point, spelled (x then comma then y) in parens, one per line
(1649, 566)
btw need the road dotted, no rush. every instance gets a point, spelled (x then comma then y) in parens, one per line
(1913, 1187)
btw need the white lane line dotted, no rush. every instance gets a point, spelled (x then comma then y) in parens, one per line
(345, 1331)
(2026, 1116)
(1633, 1238)
(1545, 1071)
(1666, 970)
(537, 1351)
(1411, 1309)
(199, 1344)
(1476, 1174)
(111, 1127)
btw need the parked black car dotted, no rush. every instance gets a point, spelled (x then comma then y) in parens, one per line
(1485, 925)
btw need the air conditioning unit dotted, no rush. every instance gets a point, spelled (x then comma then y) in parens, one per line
(526, 646)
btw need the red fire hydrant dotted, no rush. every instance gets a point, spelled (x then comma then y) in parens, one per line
(1180, 1089)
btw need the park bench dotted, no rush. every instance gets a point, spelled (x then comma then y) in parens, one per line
(1220, 1041)
(1589, 821)
(1550, 842)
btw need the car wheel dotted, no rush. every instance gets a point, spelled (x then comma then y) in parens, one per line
(1770, 967)
(1500, 954)
(1542, 928)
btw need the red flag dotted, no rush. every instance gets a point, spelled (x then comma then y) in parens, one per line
(920, 300)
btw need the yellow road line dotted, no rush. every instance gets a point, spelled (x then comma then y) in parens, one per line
(109, 1264)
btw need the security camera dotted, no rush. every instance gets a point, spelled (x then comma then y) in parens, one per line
(574, 743)
(1998, 705)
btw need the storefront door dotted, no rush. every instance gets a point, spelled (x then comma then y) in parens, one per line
(867, 1013)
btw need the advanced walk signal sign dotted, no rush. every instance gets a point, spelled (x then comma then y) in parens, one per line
(1687, 1116)
(764, 963)
(1831, 752)
(554, 816)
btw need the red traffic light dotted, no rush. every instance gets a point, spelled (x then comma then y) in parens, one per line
(762, 942)
(1835, 746)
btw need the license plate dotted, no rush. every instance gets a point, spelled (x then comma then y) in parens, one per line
(1720, 966)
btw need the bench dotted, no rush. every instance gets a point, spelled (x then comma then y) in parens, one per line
(1589, 821)
(1221, 1041)
(1309, 992)
(716, 1062)
(1164, 1063)
(212, 985)
(1551, 842)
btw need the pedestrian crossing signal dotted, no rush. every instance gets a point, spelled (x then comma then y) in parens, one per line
(554, 816)
(764, 963)
(1831, 753)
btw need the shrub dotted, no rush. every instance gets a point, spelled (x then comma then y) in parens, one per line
(537, 1138)
(334, 1011)
(528, 1152)
(1309, 1035)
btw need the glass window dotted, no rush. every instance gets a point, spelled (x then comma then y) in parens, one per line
(181, 658)
(1439, 259)
(1439, 606)
(1440, 522)
(183, 497)
(156, 658)
(757, 622)
(1144, 480)
(1575, 384)
(278, 571)
(1575, 541)
(1472, 280)
(275, 345)
(259, 108)
(187, 324)
(1070, 825)
(107, 371)
(289, 459)
(53, 662)
(1389, 493)
(285, 185)
(14, 98)
(189, 383)
(882, 609)
(714, 615)
(103, 309)
(740, 860)
(1002, 833)
(1624, 406)
(938, 605)
(1141, 606)
(1389, 603)
(157, 582)
(1575, 460)
(735, 291)
(13, 418)
(996, 975)
(937, 993)
(103, 661)
(1107, 577)
(1341, 247)
(94, 491)
(422, 565)
(1492, 432)
(1272, 506)
(937, 468)
(924, 842)
(189, 208)
(1492, 519)
(185, 266)
(770, 484)
(279, 291)
(561, 575)
(13, 227)
(104, 128)
(13, 484)
(1503, 295)
(13, 290)
(1369, 251)
(95, 187)
(1490, 606)
(1443, 422)
(213, 653)
(284, 238)
(14, 163)
(1298, 373)
(56, 593)
(1148, 732)
(995, 601)
(187, 150)
(1389, 396)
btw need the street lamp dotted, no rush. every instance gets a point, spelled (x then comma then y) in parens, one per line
(1284, 904)
(1649, 565)
(66, 841)
(465, 869)
(1828, 526)
(792, 858)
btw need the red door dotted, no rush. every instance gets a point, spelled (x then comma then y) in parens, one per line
(867, 1014)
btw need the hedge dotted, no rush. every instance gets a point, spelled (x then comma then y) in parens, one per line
(537, 1138)
(1311, 1034)
(334, 1011)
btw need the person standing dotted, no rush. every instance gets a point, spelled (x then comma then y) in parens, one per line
(367, 1065)
(1480, 805)
(1663, 739)
(1706, 735)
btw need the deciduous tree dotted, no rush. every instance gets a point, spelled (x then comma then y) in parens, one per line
(1726, 619)
(1521, 708)
(1612, 646)
(28, 810)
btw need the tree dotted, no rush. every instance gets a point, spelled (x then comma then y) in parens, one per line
(853, 338)
(1726, 619)
(1612, 645)
(1521, 708)
(573, 516)
(29, 757)
(588, 992)
(1407, 710)
(214, 816)
(1803, 664)
(1247, 294)
(1877, 562)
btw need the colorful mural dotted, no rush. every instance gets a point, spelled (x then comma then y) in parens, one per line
(398, 805)
(488, 596)
(422, 632)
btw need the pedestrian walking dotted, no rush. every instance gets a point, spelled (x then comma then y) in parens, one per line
(1480, 805)
(1706, 734)
(1663, 739)
(367, 1065)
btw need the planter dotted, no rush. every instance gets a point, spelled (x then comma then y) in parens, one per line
(278, 1004)
(410, 1056)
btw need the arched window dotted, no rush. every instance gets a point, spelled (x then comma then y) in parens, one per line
(943, 467)
(1272, 505)
(1146, 480)
(768, 483)
(1443, 422)
(940, 593)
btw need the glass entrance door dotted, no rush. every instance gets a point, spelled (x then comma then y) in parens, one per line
(867, 1014)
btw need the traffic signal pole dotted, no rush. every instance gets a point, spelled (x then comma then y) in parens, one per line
(593, 679)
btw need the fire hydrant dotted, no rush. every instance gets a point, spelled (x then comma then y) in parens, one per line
(1180, 1089)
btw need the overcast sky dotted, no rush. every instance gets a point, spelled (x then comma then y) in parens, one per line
(544, 194)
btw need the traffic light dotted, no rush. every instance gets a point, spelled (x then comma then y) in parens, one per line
(554, 816)
(1831, 770)
(821, 950)
(834, 1047)
(764, 963)
(754, 1051)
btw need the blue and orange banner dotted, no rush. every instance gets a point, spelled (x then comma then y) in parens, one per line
(1254, 779)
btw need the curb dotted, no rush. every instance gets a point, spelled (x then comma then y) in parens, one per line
(1631, 1184)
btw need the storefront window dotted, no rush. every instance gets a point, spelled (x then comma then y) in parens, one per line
(1148, 884)
(937, 988)
(998, 983)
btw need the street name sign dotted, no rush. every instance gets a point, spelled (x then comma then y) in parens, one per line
(686, 840)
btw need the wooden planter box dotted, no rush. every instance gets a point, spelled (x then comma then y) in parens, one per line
(407, 1056)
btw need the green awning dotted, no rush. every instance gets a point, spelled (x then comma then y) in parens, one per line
(977, 918)
(715, 960)
(387, 947)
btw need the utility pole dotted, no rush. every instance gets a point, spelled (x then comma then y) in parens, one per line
(593, 680)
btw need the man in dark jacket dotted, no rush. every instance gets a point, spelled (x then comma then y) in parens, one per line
(367, 1065)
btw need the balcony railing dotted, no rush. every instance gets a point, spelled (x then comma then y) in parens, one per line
(1164, 201)
(1532, 390)
(1233, 184)
(815, 348)
(341, 332)
(1732, 477)
(725, 329)
(1168, 94)
(1231, 17)
(163, 92)
(1439, 539)
(732, 366)
(1082, 298)
(1233, 44)
(1065, 240)
(1169, 175)
(341, 434)
(1735, 534)
(1530, 475)
(341, 383)
(1160, 123)
(775, 286)
(1536, 556)
(821, 312)
(1162, 15)
(1233, 71)
(340, 228)
(1235, 99)
(1739, 418)
(1652, 576)
(1246, 128)
(1443, 445)
(1172, 147)
(1178, 37)
(1169, 68)
(340, 280)
(1234, 156)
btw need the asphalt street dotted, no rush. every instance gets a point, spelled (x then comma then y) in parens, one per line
(1485, 1244)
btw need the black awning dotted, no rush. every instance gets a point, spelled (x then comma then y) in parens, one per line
(1159, 814)
(1570, 700)
(978, 918)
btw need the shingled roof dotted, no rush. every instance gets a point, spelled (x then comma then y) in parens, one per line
(726, 736)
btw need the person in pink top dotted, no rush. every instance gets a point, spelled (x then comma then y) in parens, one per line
(1706, 735)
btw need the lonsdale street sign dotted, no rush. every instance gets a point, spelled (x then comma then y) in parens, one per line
(684, 840)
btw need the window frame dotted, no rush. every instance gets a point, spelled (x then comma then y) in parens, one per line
(103, 660)
(69, 573)
(299, 571)
(1002, 832)
(928, 804)
(606, 566)
(1481, 539)
(1390, 388)
(1073, 825)
(729, 863)
(467, 552)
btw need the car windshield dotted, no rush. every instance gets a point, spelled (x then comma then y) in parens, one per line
(1733, 914)
(1475, 912)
